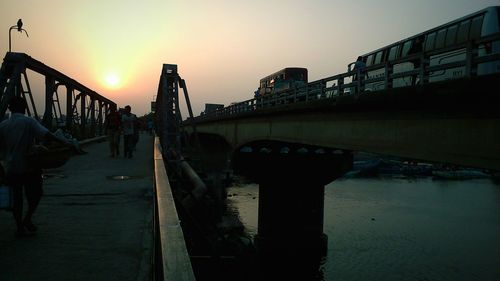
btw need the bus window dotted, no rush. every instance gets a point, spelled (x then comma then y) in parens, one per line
(378, 58)
(451, 35)
(393, 53)
(440, 38)
(295, 76)
(463, 32)
(475, 29)
(429, 41)
(406, 48)
(369, 60)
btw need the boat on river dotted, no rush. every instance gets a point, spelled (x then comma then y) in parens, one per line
(460, 174)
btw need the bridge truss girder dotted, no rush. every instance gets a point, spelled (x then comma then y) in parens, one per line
(85, 109)
(167, 108)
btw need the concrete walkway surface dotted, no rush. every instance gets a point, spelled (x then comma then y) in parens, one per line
(94, 220)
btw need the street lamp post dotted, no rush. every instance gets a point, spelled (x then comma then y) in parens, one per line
(19, 28)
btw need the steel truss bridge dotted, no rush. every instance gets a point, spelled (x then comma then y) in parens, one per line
(84, 110)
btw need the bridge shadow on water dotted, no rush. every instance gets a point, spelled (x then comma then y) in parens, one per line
(252, 267)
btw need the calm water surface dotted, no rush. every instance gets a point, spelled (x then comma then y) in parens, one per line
(402, 228)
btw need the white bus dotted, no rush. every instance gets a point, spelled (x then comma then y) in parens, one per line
(436, 46)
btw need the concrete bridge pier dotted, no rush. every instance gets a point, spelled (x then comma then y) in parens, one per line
(291, 195)
(290, 219)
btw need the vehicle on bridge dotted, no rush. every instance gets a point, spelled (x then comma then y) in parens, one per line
(462, 49)
(283, 80)
(431, 48)
(212, 107)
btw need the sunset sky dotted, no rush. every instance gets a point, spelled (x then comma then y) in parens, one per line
(222, 47)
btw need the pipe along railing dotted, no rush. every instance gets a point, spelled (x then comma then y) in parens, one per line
(344, 84)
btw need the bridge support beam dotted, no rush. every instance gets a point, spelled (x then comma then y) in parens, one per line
(291, 182)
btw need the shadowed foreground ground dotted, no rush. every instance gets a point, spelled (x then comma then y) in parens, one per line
(91, 227)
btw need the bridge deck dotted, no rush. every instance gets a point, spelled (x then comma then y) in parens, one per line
(90, 226)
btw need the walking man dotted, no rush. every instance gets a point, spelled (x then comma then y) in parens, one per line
(17, 136)
(128, 124)
(112, 129)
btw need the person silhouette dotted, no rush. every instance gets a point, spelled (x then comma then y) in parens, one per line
(17, 138)
(360, 67)
(112, 130)
(128, 127)
(416, 48)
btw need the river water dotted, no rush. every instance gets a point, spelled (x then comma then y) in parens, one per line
(401, 228)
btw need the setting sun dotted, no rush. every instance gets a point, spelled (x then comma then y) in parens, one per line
(112, 80)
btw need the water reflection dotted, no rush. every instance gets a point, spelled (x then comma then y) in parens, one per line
(273, 264)
(395, 229)
(292, 267)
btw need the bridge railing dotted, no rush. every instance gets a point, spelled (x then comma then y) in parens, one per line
(465, 60)
(84, 109)
(171, 259)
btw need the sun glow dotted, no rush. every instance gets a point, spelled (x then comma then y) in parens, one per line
(112, 80)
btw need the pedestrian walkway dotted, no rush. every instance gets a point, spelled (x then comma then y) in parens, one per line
(94, 220)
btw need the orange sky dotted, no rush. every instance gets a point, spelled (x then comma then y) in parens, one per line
(222, 47)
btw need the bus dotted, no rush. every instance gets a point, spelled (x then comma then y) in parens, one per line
(285, 79)
(435, 47)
